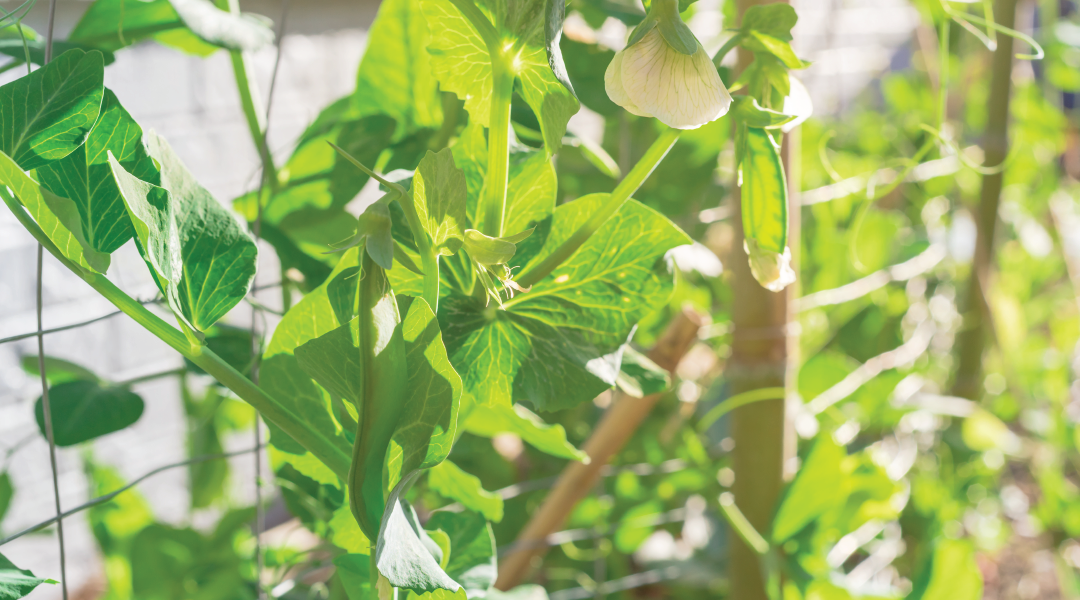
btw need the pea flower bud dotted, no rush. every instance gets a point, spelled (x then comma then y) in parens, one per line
(664, 72)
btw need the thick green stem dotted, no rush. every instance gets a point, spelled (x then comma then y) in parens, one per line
(618, 197)
(493, 202)
(270, 408)
(429, 261)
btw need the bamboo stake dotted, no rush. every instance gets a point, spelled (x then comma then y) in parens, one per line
(971, 341)
(577, 480)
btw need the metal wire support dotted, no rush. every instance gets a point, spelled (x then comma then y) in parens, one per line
(41, 361)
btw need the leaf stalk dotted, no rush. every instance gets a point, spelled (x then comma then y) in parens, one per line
(493, 202)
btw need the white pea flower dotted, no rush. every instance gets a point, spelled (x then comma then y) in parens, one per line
(772, 270)
(665, 73)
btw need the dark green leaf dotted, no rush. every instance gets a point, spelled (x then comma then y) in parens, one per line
(560, 344)
(84, 410)
(51, 111)
(472, 548)
(85, 178)
(16, 583)
(491, 420)
(586, 65)
(449, 481)
(57, 370)
(58, 217)
(11, 44)
(355, 573)
(817, 488)
(202, 258)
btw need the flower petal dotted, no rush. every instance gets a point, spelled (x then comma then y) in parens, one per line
(613, 84)
(682, 91)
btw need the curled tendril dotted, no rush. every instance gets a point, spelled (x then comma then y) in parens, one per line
(15, 16)
(823, 156)
(965, 20)
(967, 162)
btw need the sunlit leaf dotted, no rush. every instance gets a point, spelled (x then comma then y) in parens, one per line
(472, 548)
(951, 573)
(816, 488)
(450, 481)
(493, 419)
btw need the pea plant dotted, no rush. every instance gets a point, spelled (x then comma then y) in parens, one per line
(503, 274)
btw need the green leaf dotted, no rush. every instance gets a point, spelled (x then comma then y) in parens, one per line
(639, 376)
(84, 410)
(57, 370)
(85, 178)
(775, 20)
(58, 217)
(355, 573)
(395, 73)
(7, 493)
(439, 192)
(115, 24)
(323, 310)
(202, 258)
(15, 582)
(318, 182)
(560, 344)
(449, 481)
(51, 111)
(747, 111)
(761, 42)
(222, 28)
(531, 187)
(951, 574)
(586, 65)
(472, 548)
(231, 344)
(491, 420)
(461, 62)
(764, 192)
(635, 526)
(404, 552)
(374, 231)
(817, 487)
(346, 532)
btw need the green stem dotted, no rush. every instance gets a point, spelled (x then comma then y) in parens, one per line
(270, 408)
(741, 524)
(253, 113)
(429, 261)
(747, 397)
(728, 46)
(618, 197)
(943, 72)
(493, 203)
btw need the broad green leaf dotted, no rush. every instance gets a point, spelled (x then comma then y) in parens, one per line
(323, 310)
(222, 28)
(636, 526)
(58, 217)
(491, 420)
(202, 258)
(461, 62)
(404, 551)
(115, 24)
(439, 192)
(560, 343)
(764, 192)
(50, 111)
(317, 181)
(57, 370)
(472, 548)
(817, 487)
(449, 481)
(15, 582)
(951, 574)
(7, 493)
(84, 410)
(346, 532)
(395, 73)
(761, 42)
(355, 573)
(530, 191)
(85, 178)
(586, 65)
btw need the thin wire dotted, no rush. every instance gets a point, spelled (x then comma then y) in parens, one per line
(256, 342)
(102, 499)
(41, 359)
